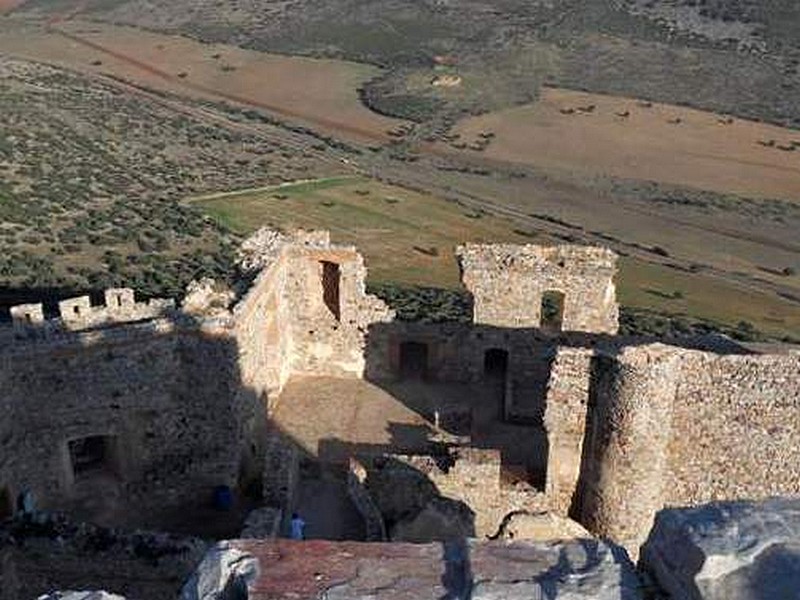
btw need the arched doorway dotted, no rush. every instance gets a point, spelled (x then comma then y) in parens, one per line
(413, 360)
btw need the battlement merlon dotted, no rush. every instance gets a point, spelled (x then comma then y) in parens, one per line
(511, 284)
(76, 314)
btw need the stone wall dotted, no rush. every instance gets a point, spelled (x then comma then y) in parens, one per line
(326, 341)
(508, 283)
(284, 325)
(626, 455)
(361, 499)
(78, 314)
(57, 555)
(166, 399)
(669, 426)
(565, 421)
(736, 428)
(180, 400)
(473, 477)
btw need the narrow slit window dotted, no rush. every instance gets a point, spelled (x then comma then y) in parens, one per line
(331, 282)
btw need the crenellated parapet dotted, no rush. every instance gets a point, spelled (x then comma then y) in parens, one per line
(78, 314)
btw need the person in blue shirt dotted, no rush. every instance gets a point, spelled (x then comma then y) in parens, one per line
(298, 527)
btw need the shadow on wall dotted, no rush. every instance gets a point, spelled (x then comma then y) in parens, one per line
(457, 578)
(776, 574)
(139, 424)
(484, 384)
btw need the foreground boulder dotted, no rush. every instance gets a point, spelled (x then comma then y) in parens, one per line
(81, 596)
(284, 569)
(727, 550)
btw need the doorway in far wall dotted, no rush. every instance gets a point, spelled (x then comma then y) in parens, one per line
(6, 503)
(93, 454)
(495, 370)
(413, 360)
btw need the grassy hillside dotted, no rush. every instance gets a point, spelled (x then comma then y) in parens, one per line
(90, 174)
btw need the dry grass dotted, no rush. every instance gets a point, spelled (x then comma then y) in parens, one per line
(322, 93)
(405, 236)
(626, 138)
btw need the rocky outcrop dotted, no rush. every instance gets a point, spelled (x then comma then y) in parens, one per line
(575, 570)
(741, 550)
(225, 573)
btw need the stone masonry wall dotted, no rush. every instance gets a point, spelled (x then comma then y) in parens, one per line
(184, 397)
(181, 400)
(77, 314)
(736, 428)
(508, 282)
(670, 426)
(166, 397)
(474, 479)
(325, 343)
(565, 422)
(623, 472)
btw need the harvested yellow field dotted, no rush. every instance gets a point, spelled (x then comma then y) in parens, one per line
(628, 138)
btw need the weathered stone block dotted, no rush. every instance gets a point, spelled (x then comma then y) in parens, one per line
(727, 550)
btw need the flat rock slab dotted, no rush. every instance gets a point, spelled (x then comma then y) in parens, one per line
(727, 550)
(574, 570)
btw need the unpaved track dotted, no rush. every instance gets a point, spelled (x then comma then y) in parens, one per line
(348, 130)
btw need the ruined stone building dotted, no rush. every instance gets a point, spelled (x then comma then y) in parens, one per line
(128, 412)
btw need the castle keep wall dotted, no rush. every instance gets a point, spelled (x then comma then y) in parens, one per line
(329, 327)
(669, 426)
(736, 425)
(509, 282)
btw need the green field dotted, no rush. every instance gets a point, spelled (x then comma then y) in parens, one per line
(408, 238)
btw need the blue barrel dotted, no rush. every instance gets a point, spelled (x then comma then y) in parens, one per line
(223, 497)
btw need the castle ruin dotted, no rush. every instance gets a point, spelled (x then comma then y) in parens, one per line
(128, 412)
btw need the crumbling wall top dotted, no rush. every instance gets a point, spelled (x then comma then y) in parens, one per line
(565, 288)
(263, 247)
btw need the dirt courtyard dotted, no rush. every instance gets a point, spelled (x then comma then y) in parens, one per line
(333, 419)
